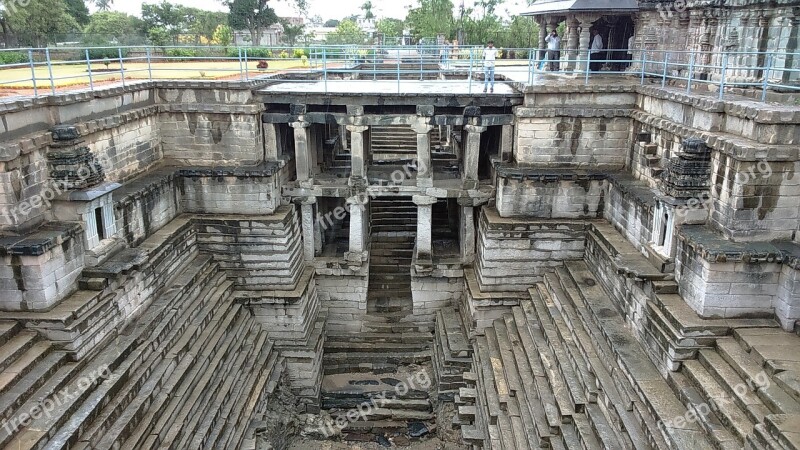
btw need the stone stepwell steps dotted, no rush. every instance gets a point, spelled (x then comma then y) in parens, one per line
(396, 142)
(562, 370)
(189, 373)
(745, 391)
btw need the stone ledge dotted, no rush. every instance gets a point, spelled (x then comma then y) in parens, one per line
(39, 241)
(216, 108)
(765, 113)
(27, 144)
(571, 111)
(739, 148)
(714, 248)
(526, 172)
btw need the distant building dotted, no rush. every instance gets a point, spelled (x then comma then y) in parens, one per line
(270, 36)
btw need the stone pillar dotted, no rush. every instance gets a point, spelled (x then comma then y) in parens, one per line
(572, 42)
(507, 143)
(302, 150)
(542, 45)
(272, 142)
(424, 227)
(472, 150)
(359, 228)
(424, 162)
(467, 230)
(358, 153)
(343, 135)
(585, 40)
(309, 223)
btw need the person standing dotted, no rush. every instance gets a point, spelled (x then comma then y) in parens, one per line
(553, 50)
(489, 57)
(631, 43)
(596, 52)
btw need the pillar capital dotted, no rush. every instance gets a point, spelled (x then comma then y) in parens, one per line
(357, 128)
(422, 127)
(300, 124)
(309, 200)
(423, 200)
(471, 201)
(475, 128)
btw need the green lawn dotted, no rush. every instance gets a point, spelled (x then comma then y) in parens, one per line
(78, 74)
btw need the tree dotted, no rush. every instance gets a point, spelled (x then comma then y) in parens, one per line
(292, 32)
(431, 18)
(223, 36)
(367, 8)
(78, 10)
(205, 24)
(251, 15)
(107, 27)
(103, 5)
(347, 33)
(331, 23)
(390, 27)
(167, 17)
(39, 22)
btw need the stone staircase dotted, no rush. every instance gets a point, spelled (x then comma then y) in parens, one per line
(745, 388)
(563, 370)
(392, 143)
(365, 368)
(190, 373)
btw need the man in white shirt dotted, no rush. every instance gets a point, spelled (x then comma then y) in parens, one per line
(489, 56)
(553, 50)
(596, 52)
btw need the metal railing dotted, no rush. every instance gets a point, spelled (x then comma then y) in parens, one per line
(46, 71)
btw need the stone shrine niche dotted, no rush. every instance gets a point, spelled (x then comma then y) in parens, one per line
(82, 194)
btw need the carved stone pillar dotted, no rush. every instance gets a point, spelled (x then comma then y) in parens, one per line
(472, 150)
(302, 150)
(424, 163)
(358, 153)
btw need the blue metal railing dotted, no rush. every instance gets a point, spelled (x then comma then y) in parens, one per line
(61, 68)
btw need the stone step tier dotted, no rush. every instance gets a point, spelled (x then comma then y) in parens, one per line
(452, 354)
(563, 370)
(189, 373)
(397, 142)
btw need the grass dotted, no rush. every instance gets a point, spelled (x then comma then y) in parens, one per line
(78, 74)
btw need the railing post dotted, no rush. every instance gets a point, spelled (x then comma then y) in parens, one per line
(149, 64)
(50, 71)
(33, 73)
(121, 66)
(530, 68)
(722, 78)
(241, 68)
(246, 68)
(644, 63)
(691, 74)
(588, 67)
(765, 83)
(89, 67)
(398, 71)
(664, 74)
(469, 77)
(325, 68)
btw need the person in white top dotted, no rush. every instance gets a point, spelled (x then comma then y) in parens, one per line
(596, 52)
(631, 43)
(553, 50)
(489, 56)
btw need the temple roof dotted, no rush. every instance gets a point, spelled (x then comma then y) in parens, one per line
(563, 6)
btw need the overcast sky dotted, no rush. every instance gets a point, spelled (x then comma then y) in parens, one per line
(328, 9)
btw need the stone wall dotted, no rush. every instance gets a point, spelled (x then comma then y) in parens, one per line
(564, 141)
(146, 204)
(343, 293)
(230, 194)
(630, 209)
(38, 271)
(724, 288)
(442, 287)
(258, 252)
(543, 197)
(513, 254)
